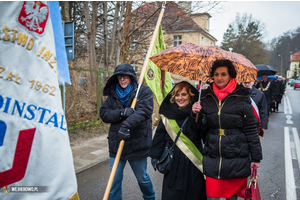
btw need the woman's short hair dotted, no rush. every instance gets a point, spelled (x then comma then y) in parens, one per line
(178, 87)
(223, 63)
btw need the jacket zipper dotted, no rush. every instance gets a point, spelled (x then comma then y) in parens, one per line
(220, 106)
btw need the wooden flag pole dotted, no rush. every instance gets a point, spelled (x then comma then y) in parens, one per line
(121, 145)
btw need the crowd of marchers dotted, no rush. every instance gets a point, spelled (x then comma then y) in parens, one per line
(218, 135)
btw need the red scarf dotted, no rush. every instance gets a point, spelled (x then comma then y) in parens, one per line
(225, 91)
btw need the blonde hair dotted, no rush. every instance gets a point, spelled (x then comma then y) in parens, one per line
(178, 89)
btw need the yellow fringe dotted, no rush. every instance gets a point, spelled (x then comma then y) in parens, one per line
(75, 197)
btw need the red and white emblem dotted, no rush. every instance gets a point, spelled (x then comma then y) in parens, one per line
(34, 16)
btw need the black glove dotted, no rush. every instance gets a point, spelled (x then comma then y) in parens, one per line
(124, 113)
(123, 133)
(154, 163)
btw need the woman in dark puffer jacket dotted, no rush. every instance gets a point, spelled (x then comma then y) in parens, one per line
(232, 145)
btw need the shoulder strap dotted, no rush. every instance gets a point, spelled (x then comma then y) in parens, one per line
(178, 134)
(183, 142)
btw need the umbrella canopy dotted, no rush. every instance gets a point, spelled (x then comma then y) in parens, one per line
(194, 61)
(271, 77)
(265, 69)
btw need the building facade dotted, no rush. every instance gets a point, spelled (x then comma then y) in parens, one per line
(179, 26)
(294, 65)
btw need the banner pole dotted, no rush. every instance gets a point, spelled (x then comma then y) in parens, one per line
(121, 145)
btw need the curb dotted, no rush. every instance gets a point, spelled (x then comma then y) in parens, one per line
(89, 153)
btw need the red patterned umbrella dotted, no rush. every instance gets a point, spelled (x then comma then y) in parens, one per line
(194, 61)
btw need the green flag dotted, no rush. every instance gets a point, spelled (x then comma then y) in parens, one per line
(159, 81)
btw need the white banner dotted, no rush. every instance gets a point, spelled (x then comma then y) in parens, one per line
(35, 156)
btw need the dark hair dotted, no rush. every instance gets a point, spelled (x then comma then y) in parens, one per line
(223, 63)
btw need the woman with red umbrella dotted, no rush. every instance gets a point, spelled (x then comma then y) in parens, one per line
(232, 145)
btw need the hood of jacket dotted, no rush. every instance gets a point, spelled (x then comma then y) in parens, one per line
(172, 111)
(123, 68)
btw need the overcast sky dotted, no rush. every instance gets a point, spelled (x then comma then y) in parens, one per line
(279, 16)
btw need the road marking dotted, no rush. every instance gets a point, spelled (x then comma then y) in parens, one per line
(297, 144)
(288, 106)
(289, 119)
(293, 151)
(289, 172)
(285, 104)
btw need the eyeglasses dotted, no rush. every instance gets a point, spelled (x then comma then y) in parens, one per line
(120, 76)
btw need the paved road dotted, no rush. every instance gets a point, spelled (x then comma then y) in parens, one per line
(92, 183)
(278, 174)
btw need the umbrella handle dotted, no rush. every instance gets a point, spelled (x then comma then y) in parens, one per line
(200, 89)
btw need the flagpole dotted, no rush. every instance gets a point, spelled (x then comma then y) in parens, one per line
(121, 145)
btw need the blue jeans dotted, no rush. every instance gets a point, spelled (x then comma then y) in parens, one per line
(139, 168)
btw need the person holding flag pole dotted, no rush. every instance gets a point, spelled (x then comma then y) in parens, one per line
(126, 129)
(36, 158)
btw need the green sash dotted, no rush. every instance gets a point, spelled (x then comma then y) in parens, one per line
(183, 142)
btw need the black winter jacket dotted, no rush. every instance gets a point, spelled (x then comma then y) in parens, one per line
(232, 140)
(268, 90)
(182, 179)
(261, 102)
(139, 123)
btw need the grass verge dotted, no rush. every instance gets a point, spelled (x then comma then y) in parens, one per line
(87, 129)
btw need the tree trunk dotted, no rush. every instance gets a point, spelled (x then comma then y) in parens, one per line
(125, 38)
(90, 28)
(119, 33)
(105, 35)
(66, 11)
(113, 34)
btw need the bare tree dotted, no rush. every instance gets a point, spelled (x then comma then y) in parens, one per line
(118, 50)
(91, 23)
(125, 35)
(114, 31)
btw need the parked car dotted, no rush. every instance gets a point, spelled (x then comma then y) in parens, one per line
(291, 82)
(297, 84)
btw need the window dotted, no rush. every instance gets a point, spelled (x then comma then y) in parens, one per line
(207, 24)
(134, 45)
(177, 40)
(202, 40)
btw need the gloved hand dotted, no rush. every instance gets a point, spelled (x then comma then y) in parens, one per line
(124, 113)
(154, 163)
(123, 133)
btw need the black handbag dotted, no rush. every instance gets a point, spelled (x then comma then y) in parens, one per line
(165, 161)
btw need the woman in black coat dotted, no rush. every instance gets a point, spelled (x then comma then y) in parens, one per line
(184, 180)
(232, 145)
